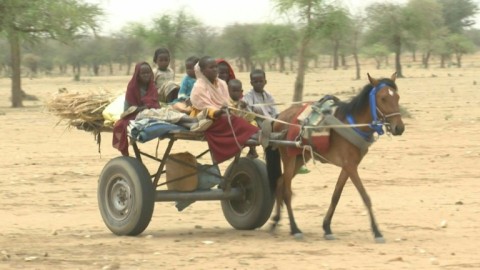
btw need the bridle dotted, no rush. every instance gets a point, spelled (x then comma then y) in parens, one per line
(385, 117)
(377, 123)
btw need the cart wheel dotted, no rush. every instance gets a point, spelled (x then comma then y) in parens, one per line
(254, 209)
(126, 196)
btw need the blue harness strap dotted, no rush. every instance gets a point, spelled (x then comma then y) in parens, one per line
(376, 125)
(364, 134)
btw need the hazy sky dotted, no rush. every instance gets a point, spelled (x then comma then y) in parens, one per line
(216, 13)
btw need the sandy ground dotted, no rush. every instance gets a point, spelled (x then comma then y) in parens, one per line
(424, 188)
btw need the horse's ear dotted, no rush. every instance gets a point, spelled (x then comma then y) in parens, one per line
(394, 76)
(373, 81)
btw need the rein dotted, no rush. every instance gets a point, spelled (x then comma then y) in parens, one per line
(376, 124)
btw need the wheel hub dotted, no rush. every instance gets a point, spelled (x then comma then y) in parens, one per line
(120, 198)
(244, 205)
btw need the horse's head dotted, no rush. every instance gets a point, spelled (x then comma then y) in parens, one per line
(387, 105)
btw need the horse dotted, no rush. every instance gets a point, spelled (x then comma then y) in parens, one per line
(376, 106)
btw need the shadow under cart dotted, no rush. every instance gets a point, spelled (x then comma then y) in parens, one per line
(127, 191)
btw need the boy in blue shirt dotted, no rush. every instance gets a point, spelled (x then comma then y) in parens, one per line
(183, 103)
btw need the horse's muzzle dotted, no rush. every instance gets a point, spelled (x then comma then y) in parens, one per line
(397, 130)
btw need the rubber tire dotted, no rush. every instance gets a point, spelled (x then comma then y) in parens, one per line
(254, 210)
(126, 177)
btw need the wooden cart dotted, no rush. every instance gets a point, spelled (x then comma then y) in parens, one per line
(127, 191)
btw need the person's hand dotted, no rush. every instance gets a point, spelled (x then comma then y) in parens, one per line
(242, 104)
(219, 112)
(257, 110)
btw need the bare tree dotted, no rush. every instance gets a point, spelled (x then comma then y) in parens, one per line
(305, 11)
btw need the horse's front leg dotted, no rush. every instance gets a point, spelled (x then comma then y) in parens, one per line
(366, 200)
(342, 179)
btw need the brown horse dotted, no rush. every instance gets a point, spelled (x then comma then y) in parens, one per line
(374, 107)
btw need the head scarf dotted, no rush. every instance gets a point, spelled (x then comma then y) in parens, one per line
(166, 89)
(230, 69)
(206, 94)
(132, 96)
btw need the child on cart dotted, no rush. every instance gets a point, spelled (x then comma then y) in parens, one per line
(239, 106)
(183, 103)
(259, 101)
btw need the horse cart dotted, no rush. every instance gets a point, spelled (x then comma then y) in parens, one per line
(127, 190)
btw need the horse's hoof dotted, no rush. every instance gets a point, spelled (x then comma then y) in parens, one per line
(329, 237)
(298, 236)
(272, 229)
(379, 240)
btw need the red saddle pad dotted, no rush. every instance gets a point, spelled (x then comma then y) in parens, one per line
(320, 143)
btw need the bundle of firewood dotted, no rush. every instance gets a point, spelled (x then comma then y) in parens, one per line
(81, 110)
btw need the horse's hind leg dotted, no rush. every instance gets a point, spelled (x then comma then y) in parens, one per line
(288, 165)
(278, 204)
(366, 200)
(342, 179)
(287, 195)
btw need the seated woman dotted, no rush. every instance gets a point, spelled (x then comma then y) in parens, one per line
(141, 93)
(141, 100)
(228, 133)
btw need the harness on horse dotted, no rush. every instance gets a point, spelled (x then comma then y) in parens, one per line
(312, 117)
(318, 119)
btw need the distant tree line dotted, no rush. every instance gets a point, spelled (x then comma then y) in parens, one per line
(61, 37)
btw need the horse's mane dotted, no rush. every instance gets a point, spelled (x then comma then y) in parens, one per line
(360, 101)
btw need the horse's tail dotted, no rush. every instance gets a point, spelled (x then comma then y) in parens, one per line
(274, 170)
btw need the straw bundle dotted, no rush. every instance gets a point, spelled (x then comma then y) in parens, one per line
(81, 110)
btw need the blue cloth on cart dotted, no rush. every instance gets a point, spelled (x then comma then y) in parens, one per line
(147, 129)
